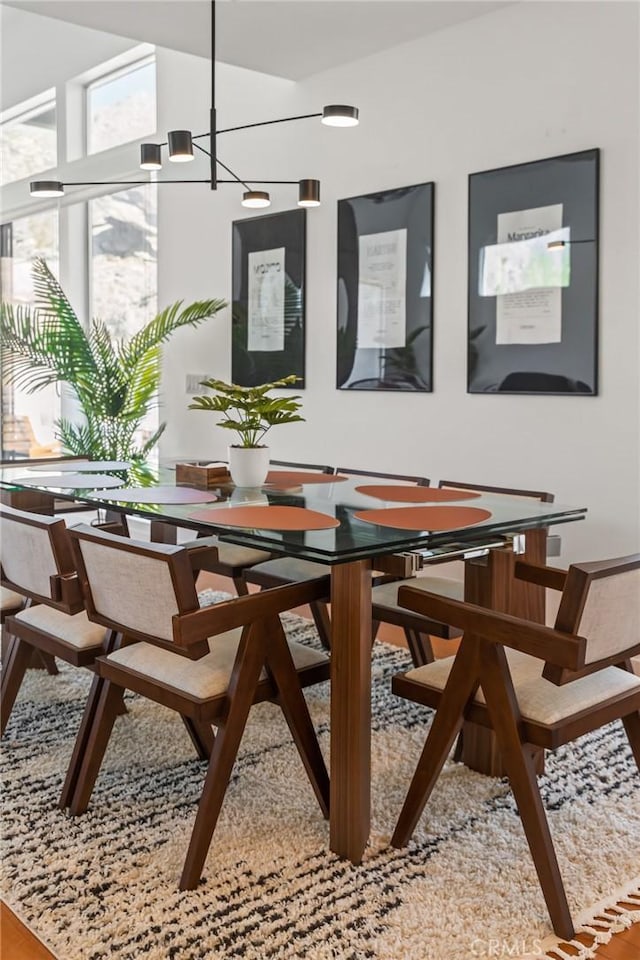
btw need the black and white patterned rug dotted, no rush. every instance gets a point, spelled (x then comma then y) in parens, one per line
(104, 885)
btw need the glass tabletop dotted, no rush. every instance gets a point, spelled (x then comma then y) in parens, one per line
(354, 538)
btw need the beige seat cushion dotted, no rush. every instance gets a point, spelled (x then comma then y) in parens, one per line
(230, 553)
(204, 678)
(10, 600)
(293, 570)
(386, 595)
(540, 700)
(635, 663)
(75, 630)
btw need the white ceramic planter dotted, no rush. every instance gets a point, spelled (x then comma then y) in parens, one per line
(248, 466)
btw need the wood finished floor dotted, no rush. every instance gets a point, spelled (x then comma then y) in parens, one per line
(18, 943)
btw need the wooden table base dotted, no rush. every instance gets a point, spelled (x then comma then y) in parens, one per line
(350, 709)
(490, 582)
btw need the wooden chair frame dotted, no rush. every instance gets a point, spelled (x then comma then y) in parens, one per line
(481, 662)
(419, 481)
(318, 467)
(263, 645)
(23, 646)
(319, 611)
(418, 629)
(212, 562)
(541, 495)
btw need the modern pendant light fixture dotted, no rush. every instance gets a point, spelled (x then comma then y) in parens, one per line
(180, 145)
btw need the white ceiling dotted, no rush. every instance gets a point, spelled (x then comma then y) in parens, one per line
(288, 38)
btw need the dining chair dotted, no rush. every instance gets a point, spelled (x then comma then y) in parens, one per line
(233, 561)
(419, 629)
(314, 467)
(37, 566)
(283, 570)
(534, 686)
(376, 475)
(10, 602)
(211, 664)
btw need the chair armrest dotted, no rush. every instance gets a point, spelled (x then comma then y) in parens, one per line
(199, 553)
(564, 649)
(66, 593)
(543, 576)
(189, 628)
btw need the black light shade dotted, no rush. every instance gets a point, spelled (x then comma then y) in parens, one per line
(46, 188)
(256, 198)
(180, 146)
(150, 156)
(340, 115)
(309, 193)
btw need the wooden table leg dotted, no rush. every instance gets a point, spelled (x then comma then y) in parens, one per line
(350, 708)
(490, 582)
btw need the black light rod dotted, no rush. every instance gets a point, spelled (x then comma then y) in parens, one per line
(213, 133)
(262, 123)
(225, 167)
(213, 54)
(146, 183)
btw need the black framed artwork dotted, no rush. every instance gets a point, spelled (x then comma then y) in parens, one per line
(385, 290)
(268, 293)
(533, 277)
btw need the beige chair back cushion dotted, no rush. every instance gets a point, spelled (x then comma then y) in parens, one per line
(611, 616)
(27, 556)
(135, 591)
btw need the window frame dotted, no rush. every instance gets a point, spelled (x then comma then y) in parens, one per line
(108, 76)
(21, 112)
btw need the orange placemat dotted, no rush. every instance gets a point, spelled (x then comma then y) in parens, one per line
(425, 518)
(289, 478)
(268, 518)
(400, 494)
(162, 494)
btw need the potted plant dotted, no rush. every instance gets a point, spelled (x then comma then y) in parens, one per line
(251, 413)
(115, 382)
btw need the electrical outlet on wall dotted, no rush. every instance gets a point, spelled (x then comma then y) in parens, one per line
(193, 384)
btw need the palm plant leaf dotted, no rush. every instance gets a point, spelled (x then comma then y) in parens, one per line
(107, 391)
(143, 384)
(39, 349)
(116, 383)
(164, 324)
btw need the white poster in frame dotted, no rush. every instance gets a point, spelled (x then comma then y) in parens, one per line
(265, 321)
(382, 279)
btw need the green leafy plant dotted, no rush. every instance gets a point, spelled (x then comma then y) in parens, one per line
(250, 411)
(116, 382)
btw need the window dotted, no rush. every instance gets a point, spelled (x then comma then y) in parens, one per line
(123, 259)
(121, 106)
(124, 279)
(28, 141)
(28, 418)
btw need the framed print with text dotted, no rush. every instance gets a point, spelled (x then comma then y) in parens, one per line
(533, 277)
(385, 290)
(268, 290)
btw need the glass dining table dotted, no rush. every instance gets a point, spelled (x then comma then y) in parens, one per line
(356, 530)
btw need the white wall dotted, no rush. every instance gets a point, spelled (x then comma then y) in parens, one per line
(37, 51)
(526, 82)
